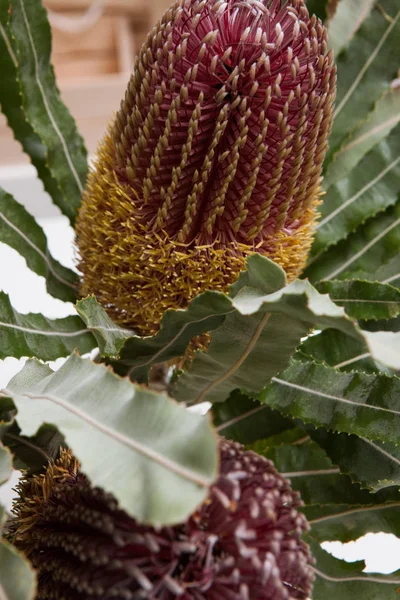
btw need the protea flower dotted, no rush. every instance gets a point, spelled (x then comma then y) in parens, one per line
(215, 153)
(243, 543)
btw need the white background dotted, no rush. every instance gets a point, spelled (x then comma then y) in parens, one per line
(28, 294)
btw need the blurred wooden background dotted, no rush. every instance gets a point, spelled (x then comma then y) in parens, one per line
(94, 45)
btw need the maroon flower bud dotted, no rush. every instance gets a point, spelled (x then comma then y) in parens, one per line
(243, 543)
(216, 152)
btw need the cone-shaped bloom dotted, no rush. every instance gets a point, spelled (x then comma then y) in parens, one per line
(215, 153)
(243, 543)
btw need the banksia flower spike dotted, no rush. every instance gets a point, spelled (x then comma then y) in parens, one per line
(243, 543)
(215, 153)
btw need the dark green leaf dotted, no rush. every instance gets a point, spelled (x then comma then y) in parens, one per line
(380, 122)
(370, 188)
(44, 110)
(32, 453)
(157, 458)
(245, 420)
(339, 350)
(316, 478)
(365, 404)
(340, 579)
(38, 336)
(374, 464)
(370, 253)
(366, 69)
(19, 230)
(11, 105)
(364, 299)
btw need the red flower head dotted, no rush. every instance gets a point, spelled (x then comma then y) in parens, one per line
(216, 152)
(243, 543)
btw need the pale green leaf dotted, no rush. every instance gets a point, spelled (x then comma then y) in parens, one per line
(157, 458)
(17, 578)
(346, 20)
(42, 105)
(110, 337)
(35, 335)
(5, 464)
(19, 230)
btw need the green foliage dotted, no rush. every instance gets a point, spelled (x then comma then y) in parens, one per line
(364, 299)
(375, 464)
(366, 69)
(156, 458)
(35, 335)
(256, 341)
(17, 579)
(32, 104)
(354, 402)
(305, 376)
(19, 230)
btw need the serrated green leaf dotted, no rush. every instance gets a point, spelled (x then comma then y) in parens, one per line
(5, 464)
(34, 335)
(17, 578)
(46, 113)
(157, 458)
(19, 230)
(366, 69)
(376, 465)
(204, 313)
(370, 253)
(257, 340)
(379, 123)
(338, 350)
(109, 336)
(370, 188)
(345, 522)
(345, 22)
(364, 299)
(245, 420)
(365, 404)
(339, 579)
(137, 354)
(11, 106)
(31, 454)
(316, 478)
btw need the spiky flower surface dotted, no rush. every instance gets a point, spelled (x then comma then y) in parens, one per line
(243, 543)
(215, 153)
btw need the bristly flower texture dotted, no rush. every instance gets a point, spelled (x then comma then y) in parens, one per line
(215, 153)
(243, 543)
